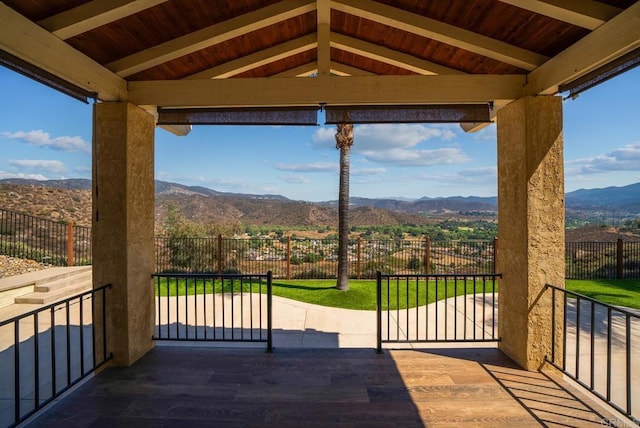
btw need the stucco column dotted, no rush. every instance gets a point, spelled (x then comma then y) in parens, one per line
(123, 225)
(530, 224)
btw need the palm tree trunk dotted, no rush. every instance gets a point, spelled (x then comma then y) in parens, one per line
(344, 141)
(343, 219)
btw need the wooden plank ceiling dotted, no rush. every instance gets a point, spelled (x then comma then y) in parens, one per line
(147, 41)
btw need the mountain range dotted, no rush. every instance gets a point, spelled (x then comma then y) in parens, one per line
(72, 196)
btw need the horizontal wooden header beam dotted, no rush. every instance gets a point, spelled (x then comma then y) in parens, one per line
(331, 90)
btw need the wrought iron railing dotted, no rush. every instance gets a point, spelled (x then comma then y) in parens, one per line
(46, 351)
(317, 258)
(213, 307)
(599, 349)
(603, 260)
(436, 308)
(43, 240)
(65, 244)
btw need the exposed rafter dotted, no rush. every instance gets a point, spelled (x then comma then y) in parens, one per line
(388, 56)
(336, 68)
(347, 70)
(268, 92)
(209, 36)
(584, 13)
(304, 70)
(258, 59)
(34, 44)
(611, 40)
(94, 14)
(442, 32)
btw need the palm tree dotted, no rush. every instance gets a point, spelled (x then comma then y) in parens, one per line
(344, 141)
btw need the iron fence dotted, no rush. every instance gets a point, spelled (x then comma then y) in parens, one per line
(436, 308)
(213, 307)
(65, 244)
(599, 348)
(45, 352)
(43, 240)
(318, 258)
(603, 260)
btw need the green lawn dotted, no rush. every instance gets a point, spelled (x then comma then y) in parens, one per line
(618, 292)
(362, 293)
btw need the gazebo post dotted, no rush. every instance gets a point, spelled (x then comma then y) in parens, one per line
(530, 224)
(123, 226)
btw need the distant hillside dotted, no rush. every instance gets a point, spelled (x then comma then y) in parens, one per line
(426, 205)
(623, 198)
(68, 202)
(71, 200)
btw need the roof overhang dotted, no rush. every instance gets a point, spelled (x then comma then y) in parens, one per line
(312, 53)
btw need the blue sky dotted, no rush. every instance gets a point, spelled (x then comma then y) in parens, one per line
(47, 135)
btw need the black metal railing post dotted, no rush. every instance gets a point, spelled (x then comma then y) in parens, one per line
(269, 312)
(434, 289)
(29, 375)
(615, 379)
(213, 307)
(379, 312)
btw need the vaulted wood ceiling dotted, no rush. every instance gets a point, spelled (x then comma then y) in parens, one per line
(228, 53)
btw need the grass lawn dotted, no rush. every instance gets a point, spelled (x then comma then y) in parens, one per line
(618, 292)
(361, 294)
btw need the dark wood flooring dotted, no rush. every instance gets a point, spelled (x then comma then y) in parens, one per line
(216, 387)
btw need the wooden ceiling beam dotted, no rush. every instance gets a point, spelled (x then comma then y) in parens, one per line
(442, 32)
(611, 40)
(304, 70)
(587, 14)
(356, 90)
(348, 70)
(210, 36)
(35, 45)
(388, 56)
(258, 59)
(323, 11)
(92, 15)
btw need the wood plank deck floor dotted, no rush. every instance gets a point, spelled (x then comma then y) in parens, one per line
(223, 387)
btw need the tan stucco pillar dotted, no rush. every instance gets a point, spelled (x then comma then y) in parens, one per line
(530, 224)
(123, 220)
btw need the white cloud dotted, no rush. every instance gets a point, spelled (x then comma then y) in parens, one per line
(389, 136)
(385, 136)
(43, 139)
(404, 157)
(52, 166)
(4, 175)
(367, 171)
(296, 179)
(396, 144)
(490, 133)
(324, 137)
(309, 167)
(625, 158)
